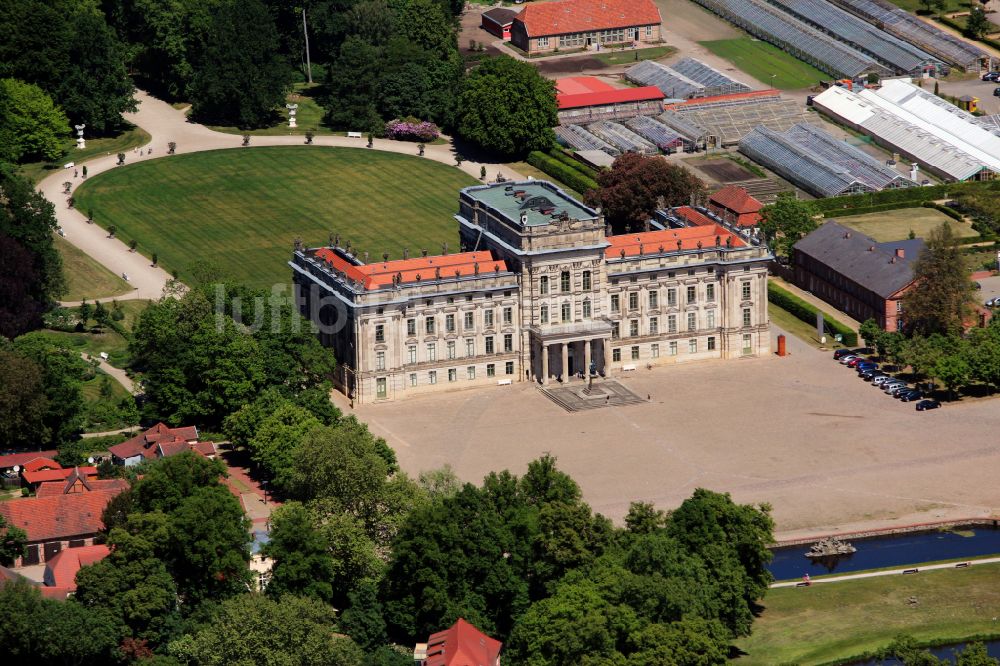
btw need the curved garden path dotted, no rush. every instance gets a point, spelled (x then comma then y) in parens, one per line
(164, 123)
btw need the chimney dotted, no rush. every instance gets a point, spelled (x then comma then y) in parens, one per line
(901, 253)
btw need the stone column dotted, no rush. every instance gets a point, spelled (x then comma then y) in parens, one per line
(545, 364)
(586, 358)
(565, 362)
(607, 355)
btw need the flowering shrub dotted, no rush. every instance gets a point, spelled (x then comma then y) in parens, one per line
(411, 129)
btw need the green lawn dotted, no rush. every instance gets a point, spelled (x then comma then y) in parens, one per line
(85, 278)
(894, 225)
(625, 56)
(93, 344)
(835, 621)
(308, 117)
(914, 5)
(101, 412)
(36, 171)
(789, 323)
(762, 61)
(240, 210)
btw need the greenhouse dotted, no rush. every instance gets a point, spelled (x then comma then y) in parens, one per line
(902, 24)
(621, 137)
(816, 162)
(577, 138)
(724, 120)
(803, 41)
(684, 79)
(665, 138)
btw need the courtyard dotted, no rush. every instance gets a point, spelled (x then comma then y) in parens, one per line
(803, 433)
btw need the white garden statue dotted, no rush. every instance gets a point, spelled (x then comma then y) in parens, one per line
(292, 109)
(80, 143)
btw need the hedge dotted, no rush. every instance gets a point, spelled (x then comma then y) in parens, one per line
(864, 210)
(572, 162)
(913, 195)
(561, 172)
(799, 309)
(950, 212)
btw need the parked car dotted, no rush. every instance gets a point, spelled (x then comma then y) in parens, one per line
(844, 360)
(991, 76)
(841, 353)
(854, 361)
(992, 302)
(863, 350)
(865, 364)
(897, 385)
(882, 379)
(924, 405)
(996, 92)
(872, 375)
(910, 396)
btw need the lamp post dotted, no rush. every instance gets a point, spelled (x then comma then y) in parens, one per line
(292, 109)
(80, 143)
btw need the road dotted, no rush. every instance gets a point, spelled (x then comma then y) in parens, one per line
(117, 374)
(890, 572)
(166, 124)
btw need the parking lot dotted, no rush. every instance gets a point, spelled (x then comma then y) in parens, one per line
(803, 433)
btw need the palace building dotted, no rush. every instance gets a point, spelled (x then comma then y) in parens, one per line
(541, 291)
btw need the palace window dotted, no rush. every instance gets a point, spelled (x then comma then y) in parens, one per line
(635, 352)
(633, 328)
(615, 331)
(470, 372)
(671, 323)
(633, 300)
(411, 354)
(564, 282)
(692, 321)
(452, 374)
(544, 314)
(653, 299)
(654, 350)
(380, 391)
(489, 344)
(413, 379)
(380, 360)
(379, 332)
(672, 349)
(508, 342)
(487, 318)
(711, 343)
(449, 323)
(491, 370)
(566, 312)
(508, 315)
(429, 325)
(508, 368)
(586, 309)
(710, 292)
(710, 319)
(615, 303)
(451, 349)
(432, 377)
(431, 351)
(745, 292)
(747, 344)
(692, 294)
(616, 355)
(470, 347)
(543, 284)
(469, 321)
(692, 346)
(654, 326)
(586, 280)
(746, 316)
(672, 298)
(411, 327)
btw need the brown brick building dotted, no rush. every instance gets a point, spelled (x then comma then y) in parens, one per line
(543, 27)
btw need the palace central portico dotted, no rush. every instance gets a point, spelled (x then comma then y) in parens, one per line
(540, 292)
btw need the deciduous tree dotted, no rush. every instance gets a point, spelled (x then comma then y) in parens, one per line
(32, 127)
(636, 185)
(941, 297)
(303, 565)
(13, 541)
(785, 222)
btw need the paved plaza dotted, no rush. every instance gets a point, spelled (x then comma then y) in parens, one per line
(828, 451)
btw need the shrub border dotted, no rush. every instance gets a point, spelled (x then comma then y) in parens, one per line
(806, 312)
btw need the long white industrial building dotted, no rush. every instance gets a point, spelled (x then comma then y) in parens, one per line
(919, 125)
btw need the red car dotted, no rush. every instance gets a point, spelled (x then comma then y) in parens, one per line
(854, 361)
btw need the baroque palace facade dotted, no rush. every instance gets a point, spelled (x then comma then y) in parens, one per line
(540, 292)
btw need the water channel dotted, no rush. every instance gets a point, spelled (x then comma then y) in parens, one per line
(892, 550)
(946, 651)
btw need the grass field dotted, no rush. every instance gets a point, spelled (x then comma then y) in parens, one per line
(36, 171)
(625, 56)
(240, 210)
(85, 278)
(789, 323)
(833, 621)
(914, 5)
(308, 117)
(894, 225)
(766, 63)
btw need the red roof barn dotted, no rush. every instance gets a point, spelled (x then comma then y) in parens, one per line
(497, 21)
(735, 205)
(461, 645)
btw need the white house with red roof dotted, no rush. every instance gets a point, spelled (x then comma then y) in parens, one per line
(543, 27)
(541, 291)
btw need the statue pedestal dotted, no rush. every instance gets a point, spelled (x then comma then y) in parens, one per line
(80, 143)
(291, 122)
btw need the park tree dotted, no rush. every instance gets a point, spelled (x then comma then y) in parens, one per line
(352, 79)
(637, 185)
(785, 222)
(941, 297)
(21, 307)
(870, 332)
(302, 565)
(28, 219)
(62, 375)
(23, 403)
(32, 127)
(241, 78)
(13, 542)
(363, 620)
(983, 354)
(977, 25)
(506, 107)
(644, 518)
(256, 629)
(275, 440)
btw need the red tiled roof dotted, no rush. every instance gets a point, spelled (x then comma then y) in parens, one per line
(574, 85)
(54, 474)
(22, 459)
(616, 96)
(651, 241)
(736, 199)
(61, 570)
(58, 516)
(204, 448)
(52, 488)
(373, 276)
(703, 101)
(694, 217)
(462, 645)
(568, 16)
(144, 443)
(40, 463)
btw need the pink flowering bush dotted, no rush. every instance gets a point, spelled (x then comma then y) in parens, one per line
(411, 129)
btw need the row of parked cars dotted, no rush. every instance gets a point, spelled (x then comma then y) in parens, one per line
(870, 371)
